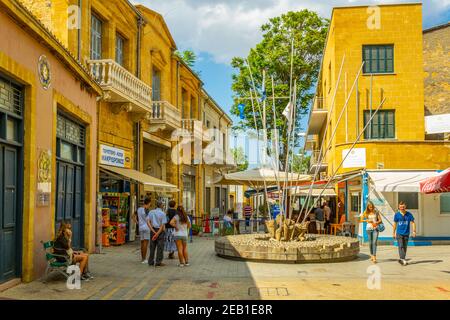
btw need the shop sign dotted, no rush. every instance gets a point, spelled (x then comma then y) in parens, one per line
(115, 157)
(356, 158)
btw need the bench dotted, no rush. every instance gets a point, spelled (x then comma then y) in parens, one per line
(53, 265)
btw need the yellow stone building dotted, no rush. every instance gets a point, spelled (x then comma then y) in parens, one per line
(48, 144)
(380, 49)
(149, 95)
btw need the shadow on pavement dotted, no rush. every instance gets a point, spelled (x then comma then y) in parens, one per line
(425, 261)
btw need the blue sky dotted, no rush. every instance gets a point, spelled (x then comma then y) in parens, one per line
(218, 30)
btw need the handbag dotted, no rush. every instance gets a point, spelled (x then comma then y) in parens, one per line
(381, 227)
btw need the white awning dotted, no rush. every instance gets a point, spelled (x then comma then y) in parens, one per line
(399, 181)
(150, 183)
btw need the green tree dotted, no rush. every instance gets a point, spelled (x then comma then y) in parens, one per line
(240, 158)
(300, 164)
(273, 54)
(188, 56)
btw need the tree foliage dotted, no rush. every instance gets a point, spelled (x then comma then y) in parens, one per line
(240, 158)
(273, 54)
(188, 56)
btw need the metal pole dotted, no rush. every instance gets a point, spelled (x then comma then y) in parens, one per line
(351, 148)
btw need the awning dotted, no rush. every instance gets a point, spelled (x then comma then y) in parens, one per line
(399, 181)
(329, 192)
(150, 183)
(437, 184)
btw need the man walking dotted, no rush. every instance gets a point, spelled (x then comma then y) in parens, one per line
(402, 221)
(157, 222)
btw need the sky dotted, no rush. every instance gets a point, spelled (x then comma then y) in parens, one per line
(218, 30)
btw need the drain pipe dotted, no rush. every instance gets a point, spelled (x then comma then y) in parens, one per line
(80, 17)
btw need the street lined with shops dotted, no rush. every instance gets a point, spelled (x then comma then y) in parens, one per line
(120, 276)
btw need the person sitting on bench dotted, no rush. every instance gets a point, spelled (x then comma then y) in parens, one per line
(63, 247)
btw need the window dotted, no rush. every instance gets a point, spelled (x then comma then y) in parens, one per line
(382, 126)
(445, 203)
(378, 59)
(355, 202)
(156, 85)
(96, 38)
(410, 198)
(120, 41)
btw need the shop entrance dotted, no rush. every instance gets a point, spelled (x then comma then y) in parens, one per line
(11, 168)
(70, 159)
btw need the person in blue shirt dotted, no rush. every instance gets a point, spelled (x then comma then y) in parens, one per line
(156, 221)
(402, 221)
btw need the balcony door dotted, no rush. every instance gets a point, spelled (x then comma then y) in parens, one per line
(156, 85)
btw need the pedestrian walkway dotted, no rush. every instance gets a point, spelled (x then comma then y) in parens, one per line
(119, 275)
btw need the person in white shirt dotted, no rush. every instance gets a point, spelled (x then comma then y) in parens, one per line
(144, 230)
(182, 224)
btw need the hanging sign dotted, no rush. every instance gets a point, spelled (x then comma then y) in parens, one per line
(356, 158)
(115, 157)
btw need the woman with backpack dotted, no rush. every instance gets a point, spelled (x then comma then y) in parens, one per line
(182, 224)
(373, 228)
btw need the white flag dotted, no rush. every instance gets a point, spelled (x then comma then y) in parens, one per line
(287, 111)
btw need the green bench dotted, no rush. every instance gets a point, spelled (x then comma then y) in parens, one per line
(53, 265)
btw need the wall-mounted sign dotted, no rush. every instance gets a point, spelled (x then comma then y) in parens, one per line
(115, 157)
(44, 72)
(44, 178)
(356, 158)
(437, 124)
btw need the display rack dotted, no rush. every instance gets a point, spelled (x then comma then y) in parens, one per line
(115, 218)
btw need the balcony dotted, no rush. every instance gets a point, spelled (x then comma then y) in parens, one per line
(314, 163)
(164, 116)
(319, 103)
(121, 87)
(196, 129)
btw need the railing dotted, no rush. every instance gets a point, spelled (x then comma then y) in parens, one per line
(194, 127)
(319, 103)
(164, 112)
(112, 76)
(315, 158)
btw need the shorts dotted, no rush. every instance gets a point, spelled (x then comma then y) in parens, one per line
(181, 238)
(145, 234)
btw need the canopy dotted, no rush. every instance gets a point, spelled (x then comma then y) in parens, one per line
(399, 181)
(437, 184)
(257, 177)
(150, 183)
(316, 192)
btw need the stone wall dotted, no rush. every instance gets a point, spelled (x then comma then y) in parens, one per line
(436, 52)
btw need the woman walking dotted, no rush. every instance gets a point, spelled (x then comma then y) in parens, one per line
(169, 241)
(373, 219)
(181, 223)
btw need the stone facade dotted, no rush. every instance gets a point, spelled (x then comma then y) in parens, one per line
(436, 51)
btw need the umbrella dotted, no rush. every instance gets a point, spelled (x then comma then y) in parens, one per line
(437, 184)
(257, 177)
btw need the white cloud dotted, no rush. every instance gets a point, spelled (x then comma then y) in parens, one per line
(228, 28)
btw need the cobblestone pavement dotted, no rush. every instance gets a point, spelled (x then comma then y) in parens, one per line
(119, 275)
